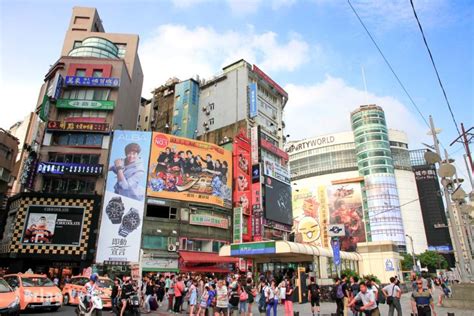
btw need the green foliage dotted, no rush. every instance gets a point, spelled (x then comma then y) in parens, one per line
(350, 273)
(371, 277)
(407, 262)
(432, 260)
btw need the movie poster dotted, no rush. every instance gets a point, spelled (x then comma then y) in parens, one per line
(124, 198)
(345, 207)
(189, 170)
(242, 174)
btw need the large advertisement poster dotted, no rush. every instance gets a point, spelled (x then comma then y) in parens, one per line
(242, 174)
(345, 207)
(278, 201)
(306, 216)
(124, 199)
(53, 225)
(189, 170)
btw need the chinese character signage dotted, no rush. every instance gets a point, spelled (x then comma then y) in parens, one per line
(64, 168)
(254, 144)
(253, 108)
(85, 104)
(92, 82)
(237, 225)
(54, 90)
(189, 170)
(44, 110)
(242, 173)
(255, 248)
(276, 171)
(265, 144)
(77, 126)
(124, 199)
(208, 220)
(336, 250)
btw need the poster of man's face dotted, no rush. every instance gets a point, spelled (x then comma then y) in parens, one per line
(39, 228)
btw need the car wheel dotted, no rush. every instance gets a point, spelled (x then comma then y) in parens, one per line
(66, 300)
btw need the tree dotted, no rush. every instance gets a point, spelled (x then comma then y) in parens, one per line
(407, 262)
(350, 273)
(432, 260)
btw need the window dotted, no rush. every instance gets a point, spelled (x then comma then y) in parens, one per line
(138, 117)
(155, 242)
(211, 121)
(161, 211)
(211, 106)
(146, 118)
(75, 158)
(80, 72)
(68, 185)
(77, 139)
(87, 94)
(97, 73)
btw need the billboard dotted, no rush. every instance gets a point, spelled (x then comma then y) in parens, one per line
(66, 168)
(278, 201)
(306, 216)
(345, 207)
(275, 170)
(253, 100)
(124, 199)
(53, 225)
(242, 174)
(189, 170)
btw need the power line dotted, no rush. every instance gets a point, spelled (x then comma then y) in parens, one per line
(388, 63)
(435, 68)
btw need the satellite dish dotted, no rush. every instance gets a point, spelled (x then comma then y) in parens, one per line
(458, 195)
(447, 170)
(432, 157)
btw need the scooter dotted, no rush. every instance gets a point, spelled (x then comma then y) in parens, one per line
(132, 308)
(94, 308)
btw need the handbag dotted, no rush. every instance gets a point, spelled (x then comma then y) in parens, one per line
(243, 296)
(390, 298)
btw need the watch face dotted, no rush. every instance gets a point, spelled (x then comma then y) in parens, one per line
(115, 209)
(131, 220)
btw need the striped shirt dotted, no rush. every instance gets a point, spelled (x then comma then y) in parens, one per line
(422, 298)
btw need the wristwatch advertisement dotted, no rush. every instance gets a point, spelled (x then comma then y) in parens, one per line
(130, 222)
(115, 210)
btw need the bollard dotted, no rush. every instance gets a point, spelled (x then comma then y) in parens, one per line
(296, 313)
(450, 314)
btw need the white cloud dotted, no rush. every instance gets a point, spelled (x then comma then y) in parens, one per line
(325, 107)
(204, 51)
(243, 7)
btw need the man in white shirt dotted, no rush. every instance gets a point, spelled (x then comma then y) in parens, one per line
(369, 306)
(392, 294)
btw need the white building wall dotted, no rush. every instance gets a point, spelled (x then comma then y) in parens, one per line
(411, 210)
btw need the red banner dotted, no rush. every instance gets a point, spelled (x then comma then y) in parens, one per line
(78, 126)
(242, 174)
(270, 81)
(274, 149)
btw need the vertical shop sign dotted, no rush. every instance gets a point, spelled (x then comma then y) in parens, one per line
(237, 225)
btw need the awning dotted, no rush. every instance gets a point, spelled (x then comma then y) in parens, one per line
(204, 257)
(211, 269)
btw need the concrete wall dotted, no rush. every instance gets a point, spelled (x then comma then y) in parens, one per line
(378, 258)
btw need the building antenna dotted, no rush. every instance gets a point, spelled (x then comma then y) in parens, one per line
(365, 85)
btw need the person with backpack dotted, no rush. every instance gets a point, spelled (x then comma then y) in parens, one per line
(314, 293)
(252, 293)
(392, 295)
(234, 297)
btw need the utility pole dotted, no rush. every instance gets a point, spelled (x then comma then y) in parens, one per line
(465, 141)
(454, 235)
(415, 269)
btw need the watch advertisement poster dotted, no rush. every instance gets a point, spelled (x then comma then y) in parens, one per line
(53, 225)
(189, 170)
(242, 174)
(124, 198)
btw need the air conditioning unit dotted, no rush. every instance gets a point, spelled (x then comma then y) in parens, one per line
(208, 112)
(172, 248)
(205, 124)
(204, 108)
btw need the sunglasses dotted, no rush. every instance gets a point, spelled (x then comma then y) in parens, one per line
(419, 283)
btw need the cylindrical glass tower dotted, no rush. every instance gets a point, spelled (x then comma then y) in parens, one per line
(374, 161)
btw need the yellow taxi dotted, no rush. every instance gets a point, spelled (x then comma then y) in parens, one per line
(9, 300)
(35, 291)
(72, 290)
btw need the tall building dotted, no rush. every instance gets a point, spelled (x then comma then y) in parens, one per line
(145, 115)
(185, 114)
(8, 153)
(163, 106)
(363, 176)
(92, 89)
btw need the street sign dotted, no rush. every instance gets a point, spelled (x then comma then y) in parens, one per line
(336, 230)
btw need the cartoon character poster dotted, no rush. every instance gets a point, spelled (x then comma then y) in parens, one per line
(189, 170)
(345, 207)
(306, 217)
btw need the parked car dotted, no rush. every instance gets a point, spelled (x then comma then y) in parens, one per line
(72, 290)
(9, 300)
(35, 291)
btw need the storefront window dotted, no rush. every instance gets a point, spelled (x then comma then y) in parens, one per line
(155, 242)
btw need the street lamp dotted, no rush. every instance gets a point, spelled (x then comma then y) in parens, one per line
(412, 253)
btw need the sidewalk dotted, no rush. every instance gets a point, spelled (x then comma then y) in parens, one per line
(328, 308)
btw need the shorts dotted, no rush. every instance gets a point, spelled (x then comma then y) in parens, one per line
(220, 310)
(243, 306)
(314, 302)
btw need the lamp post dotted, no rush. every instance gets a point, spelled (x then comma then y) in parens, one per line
(412, 253)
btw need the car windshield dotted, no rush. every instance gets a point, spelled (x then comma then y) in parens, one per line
(105, 283)
(4, 288)
(36, 281)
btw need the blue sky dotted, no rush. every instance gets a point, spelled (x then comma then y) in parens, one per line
(314, 48)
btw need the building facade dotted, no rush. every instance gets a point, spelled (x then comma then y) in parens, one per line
(185, 113)
(91, 90)
(330, 187)
(8, 152)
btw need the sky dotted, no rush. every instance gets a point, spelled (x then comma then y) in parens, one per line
(316, 49)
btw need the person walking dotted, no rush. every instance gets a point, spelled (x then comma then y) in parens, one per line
(114, 296)
(171, 293)
(421, 301)
(149, 294)
(289, 297)
(314, 293)
(192, 297)
(203, 304)
(270, 293)
(392, 295)
(178, 294)
(252, 293)
(261, 299)
(369, 305)
(338, 296)
(222, 302)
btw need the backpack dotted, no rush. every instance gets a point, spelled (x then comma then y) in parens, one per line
(334, 293)
(314, 290)
(339, 292)
(380, 297)
(243, 296)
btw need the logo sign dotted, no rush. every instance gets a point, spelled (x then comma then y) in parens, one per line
(45, 106)
(336, 230)
(237, 225)
(255, 173)
(389, 266)
(92, 82)
(54, 90)
(124, 198)
(257, 248)
(252, 90)
(336, 249)
(85, 104)
(77, 126)
(208, 220)
(63, 168)
(254, 144)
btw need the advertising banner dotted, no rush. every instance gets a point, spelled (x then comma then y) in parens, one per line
(265, 144)
(53, 225)
(189, 170)
(253, 107)
(122, 211)
(208, 220)
(44, 111)
(257, 211)
(54, 90)
(242, 174)
(254, 143)
(237, 225)
(69, 168)
(92, 82)
(85, 104)
(345, 208)
(276, 171)
(278, 201)
(306, 217)
(78, 126)
(336, 250)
